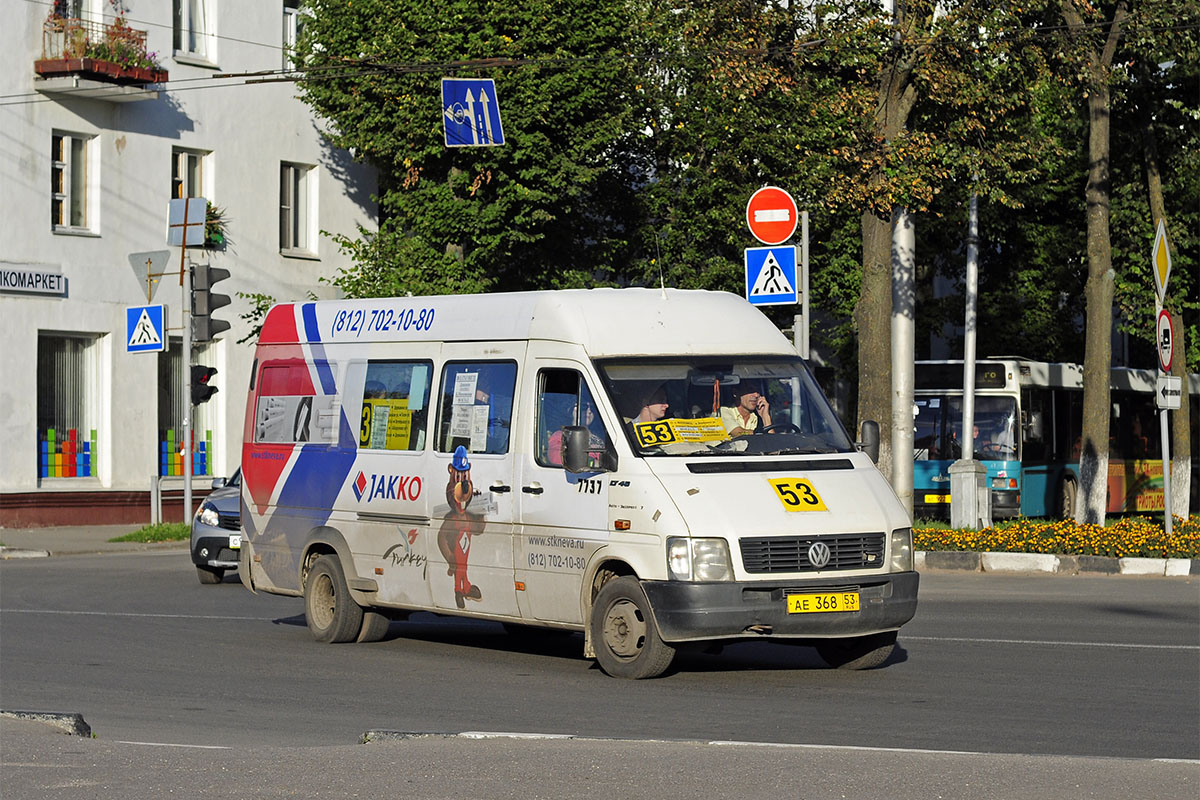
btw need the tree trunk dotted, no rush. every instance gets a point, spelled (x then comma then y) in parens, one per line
(873, 312)
(1097, 354)
(873, 318)
(1181, 428)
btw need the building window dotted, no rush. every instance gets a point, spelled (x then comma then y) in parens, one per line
(187, 173)
(193, 28)
(295, 216)
(292, 24)
(170, 415)
(70, 160)
(67, 384)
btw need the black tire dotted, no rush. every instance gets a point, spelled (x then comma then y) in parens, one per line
(209, 575)
(374, 626)
(860, 652)
(1068, 494)
(623, 632)
(332, 614)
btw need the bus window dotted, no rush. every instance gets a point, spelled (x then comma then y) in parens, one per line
(476, 406)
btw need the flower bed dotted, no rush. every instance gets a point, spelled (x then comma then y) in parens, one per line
(1129, 537)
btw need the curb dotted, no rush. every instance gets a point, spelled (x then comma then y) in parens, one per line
(1058, 565)
(7, 552)
(71, 724)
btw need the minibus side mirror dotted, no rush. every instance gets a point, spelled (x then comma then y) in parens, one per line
(870, 440)
(578, 452)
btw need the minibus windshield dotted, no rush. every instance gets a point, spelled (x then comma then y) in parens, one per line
(752, 405)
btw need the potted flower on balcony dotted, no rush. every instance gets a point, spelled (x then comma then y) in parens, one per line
(115, 53)
(214, 228)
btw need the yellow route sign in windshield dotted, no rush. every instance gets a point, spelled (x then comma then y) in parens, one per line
(666, 431)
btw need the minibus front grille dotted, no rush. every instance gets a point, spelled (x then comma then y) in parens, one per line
(768, 554)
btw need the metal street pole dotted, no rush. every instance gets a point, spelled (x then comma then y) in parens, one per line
(187, 390)
(903, 353)
(970, 498)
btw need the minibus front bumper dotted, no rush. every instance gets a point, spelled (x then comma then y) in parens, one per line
(706, 611)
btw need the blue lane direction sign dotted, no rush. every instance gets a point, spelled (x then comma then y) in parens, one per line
(471, 112)
(771, 275)
(145, 329)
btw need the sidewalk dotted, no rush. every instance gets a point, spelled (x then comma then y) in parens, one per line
(74, 540)
(80, 540)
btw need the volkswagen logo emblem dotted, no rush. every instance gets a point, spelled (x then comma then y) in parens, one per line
(818, 554)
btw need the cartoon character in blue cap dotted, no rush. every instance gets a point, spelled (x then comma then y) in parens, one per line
(454, 538)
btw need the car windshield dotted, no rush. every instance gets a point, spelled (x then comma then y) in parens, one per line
(938, 433)
(749, 406)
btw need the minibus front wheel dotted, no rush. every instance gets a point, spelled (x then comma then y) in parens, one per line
(624, 634)
(332, 614)
(859, 652)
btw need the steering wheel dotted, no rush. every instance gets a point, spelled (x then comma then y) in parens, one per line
(779, 427)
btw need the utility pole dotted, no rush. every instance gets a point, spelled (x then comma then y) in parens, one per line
(970, 499)
(903, 353)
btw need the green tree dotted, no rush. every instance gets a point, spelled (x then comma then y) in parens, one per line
(549, 208)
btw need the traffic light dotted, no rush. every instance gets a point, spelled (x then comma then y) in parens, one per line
(202, 390)
(205, 302)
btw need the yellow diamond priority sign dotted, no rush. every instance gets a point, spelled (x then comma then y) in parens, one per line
(1160, 258)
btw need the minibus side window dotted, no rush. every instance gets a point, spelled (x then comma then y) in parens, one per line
(395, 405)
(289, 408)
(476, 406)
(564, 399)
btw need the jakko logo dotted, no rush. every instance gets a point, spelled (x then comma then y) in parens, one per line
(386, 487)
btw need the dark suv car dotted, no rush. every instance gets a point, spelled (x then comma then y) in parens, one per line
(217, 530)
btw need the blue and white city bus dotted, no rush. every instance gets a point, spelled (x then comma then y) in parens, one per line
(1029, 419)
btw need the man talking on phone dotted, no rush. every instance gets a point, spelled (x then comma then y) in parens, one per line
(749, 410)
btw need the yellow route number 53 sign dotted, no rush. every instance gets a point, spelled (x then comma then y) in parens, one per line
(797, 494)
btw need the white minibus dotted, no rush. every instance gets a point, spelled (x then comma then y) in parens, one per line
(656, 469)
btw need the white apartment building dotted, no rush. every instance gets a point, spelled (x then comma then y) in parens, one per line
(93, 149)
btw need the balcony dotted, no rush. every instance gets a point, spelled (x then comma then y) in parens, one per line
(82, 58)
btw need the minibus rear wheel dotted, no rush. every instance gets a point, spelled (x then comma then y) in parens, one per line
(624, 634)
(860, 652)
(332, 614)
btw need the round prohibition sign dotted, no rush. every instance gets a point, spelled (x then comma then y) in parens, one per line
(1166, 347)
(771, 215)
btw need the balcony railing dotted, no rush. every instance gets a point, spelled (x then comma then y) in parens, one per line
(115, 53)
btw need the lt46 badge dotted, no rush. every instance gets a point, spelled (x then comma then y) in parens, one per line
(797, 494)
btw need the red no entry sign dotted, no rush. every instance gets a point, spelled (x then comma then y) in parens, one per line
(771, 215)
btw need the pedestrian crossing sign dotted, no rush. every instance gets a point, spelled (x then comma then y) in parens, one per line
(771, 275)
(145, 328)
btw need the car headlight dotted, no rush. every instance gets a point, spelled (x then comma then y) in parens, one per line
(207, 515)
(699, 559)
(902, 550)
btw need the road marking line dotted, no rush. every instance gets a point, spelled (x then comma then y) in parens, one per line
(1130, 645)
(169, 744)
(128, 614)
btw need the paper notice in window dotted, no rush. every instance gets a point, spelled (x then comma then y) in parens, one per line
(460, 421)
(464, 388)
(479, 429)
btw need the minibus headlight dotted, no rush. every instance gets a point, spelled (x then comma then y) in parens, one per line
(902, 550)
(207, 515)
(699, 559)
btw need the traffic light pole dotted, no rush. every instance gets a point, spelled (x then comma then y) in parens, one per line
(186, 275)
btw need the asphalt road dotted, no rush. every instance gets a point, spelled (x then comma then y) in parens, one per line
(993, 665)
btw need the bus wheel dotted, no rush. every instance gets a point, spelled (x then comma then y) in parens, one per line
(1067, 493)
(332, 614)
(374, 626)
(623, 631)
(861, 652)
